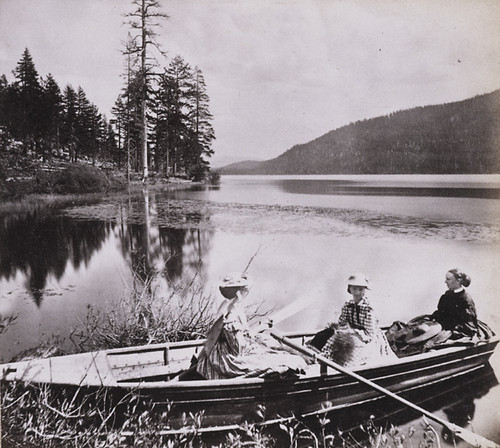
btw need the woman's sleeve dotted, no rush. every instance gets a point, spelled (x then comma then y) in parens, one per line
(469, 309)
(437, 315)
(343, 319)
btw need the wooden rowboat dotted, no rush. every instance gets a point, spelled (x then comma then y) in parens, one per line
(150, 371)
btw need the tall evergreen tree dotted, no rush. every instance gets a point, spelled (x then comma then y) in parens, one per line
(134, 121)
(52, 106)
(6, 92)
(144, 20)
(200, 118)
(69, 134)
(120, 113)
(29, 106)
(97, 133)
(84, 123)
(167, 121)
(110, 148)
(180, 79)
(124, 110)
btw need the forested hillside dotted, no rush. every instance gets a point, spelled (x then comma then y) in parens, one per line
(460, 137)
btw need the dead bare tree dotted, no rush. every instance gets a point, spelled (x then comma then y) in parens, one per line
(143, 20)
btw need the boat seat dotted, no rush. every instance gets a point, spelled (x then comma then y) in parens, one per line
(147, 373)
(146, 364)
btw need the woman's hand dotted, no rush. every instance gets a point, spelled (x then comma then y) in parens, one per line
(363, 336)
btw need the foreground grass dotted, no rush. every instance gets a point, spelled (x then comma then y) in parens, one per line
(36, 416)
(39, 416)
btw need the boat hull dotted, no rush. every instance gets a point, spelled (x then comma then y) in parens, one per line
(148, 371)
(224, 404)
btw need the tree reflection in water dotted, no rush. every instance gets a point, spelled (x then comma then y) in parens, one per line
(39, 244)
(42, 242)
(171, 248)
(455, 397)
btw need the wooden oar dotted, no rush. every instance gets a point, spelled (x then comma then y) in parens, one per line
(466, 435)
(288, 311)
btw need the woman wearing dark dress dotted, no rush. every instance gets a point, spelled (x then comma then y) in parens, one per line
(454, 322)
(456, 311)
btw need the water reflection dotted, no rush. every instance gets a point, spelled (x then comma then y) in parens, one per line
(155, 241)
(456, 398)
(40, 245)
(387, 188)
(172, 251)
(461, 412)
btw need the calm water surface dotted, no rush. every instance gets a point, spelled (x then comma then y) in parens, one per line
(310, 232)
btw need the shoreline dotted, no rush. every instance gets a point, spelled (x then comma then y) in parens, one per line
(13, 205)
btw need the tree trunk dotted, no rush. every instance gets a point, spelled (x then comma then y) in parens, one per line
(144, 139)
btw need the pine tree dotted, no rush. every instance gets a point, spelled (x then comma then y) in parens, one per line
(202, 132)
(110, 148)
(7, 94)
(69, 134)
(179, 73)
(168, 121)
(120, 113)
(29, 107)
(52, 106)
(84, 123)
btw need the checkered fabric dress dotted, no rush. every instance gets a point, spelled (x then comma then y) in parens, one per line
(359, 339)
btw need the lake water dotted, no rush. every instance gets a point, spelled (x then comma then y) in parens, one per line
(309, 233)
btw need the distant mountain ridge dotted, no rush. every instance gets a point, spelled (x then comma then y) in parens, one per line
(454, 138)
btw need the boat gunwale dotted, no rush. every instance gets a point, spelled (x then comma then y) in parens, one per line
(479, 350)
(242, 381)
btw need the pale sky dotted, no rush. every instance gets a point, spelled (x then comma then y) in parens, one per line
(278, 72)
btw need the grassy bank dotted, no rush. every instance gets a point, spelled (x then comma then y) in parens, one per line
(72, 179)
(76, 178)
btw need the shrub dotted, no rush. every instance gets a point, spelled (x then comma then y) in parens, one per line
(197, 173)
(43, 182)
(213, 177)
(81, 179)
(146, 316)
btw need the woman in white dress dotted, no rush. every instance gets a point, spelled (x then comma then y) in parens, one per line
(233, 349)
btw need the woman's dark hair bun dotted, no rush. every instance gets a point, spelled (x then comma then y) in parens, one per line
(462, 277)
(465, 280)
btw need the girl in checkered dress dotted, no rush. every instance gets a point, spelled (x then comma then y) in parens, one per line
(358, 340)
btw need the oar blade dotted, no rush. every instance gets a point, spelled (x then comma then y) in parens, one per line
(472, 438)
(290, 310)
